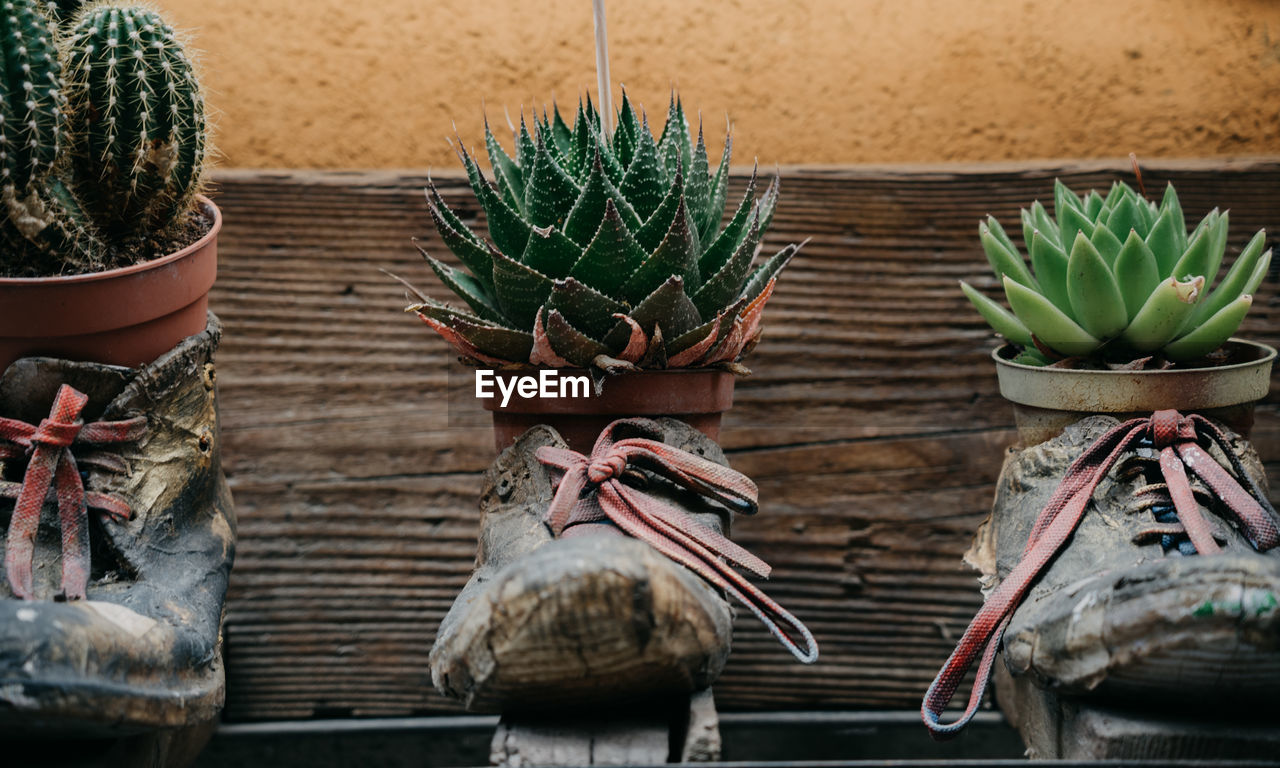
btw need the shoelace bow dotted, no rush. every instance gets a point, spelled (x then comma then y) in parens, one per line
(1177, 438)
(591, 491)
(47, 448)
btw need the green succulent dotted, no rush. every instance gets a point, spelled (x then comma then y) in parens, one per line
(1118, 278)
(604, 252)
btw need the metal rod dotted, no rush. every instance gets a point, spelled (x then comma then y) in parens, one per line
(603, 88)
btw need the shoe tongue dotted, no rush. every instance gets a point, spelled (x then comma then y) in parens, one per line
(28, 386)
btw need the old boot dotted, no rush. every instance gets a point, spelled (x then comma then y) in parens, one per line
(118, 533)
(592, 614)
(1131, 562)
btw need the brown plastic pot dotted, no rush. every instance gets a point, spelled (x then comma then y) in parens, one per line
(1046, 400)
(696, 397)
(127, 316)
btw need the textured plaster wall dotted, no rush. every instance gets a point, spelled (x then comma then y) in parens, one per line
(341, 84)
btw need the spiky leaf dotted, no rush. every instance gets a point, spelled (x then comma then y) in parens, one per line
(570, 343)
(724, 286)
(669, 306)
(611, 257)
(585, 307)
(550, 253)
(549, 192)
(584, 219)
(727, 241)
(521, 291)
(677, 255)
(651, 234)
(472, 254)
(645, 183)
(502, 343)
(767, 271)
(509, 231)
(510, 179)
(467, 288)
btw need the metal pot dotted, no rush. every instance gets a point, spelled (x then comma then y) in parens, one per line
(1045, 400)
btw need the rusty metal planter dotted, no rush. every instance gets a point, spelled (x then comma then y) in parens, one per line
(1047, 399)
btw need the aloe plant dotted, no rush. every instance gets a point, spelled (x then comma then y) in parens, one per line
(604, 252)
(1117, 278)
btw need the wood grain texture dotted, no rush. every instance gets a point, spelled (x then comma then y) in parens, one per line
(872, 424)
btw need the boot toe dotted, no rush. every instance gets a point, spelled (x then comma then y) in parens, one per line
(1202, 626)
(100, 668)
(582, 620)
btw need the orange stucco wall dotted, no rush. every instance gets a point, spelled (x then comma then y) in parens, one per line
(336, 83)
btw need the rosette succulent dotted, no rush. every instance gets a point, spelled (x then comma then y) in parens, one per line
(604, 252)
(1118, 278)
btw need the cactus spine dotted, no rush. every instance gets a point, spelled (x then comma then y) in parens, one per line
(139, 146)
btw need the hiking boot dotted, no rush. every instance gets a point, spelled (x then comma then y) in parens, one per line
(1128, 608)
(1126, 561)
(566, 609)
(110, 621)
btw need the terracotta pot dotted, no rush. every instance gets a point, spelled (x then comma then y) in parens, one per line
(127, 316)
(1045, 400)
(697, 397)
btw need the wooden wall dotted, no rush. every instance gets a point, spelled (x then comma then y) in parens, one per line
(872, 425)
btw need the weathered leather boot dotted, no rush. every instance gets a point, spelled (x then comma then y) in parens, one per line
(118, 533)
(592, 615)
(1134, 564)
(1128, 609)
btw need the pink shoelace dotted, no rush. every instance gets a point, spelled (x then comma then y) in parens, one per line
(47, 449)
(591, 490)
(1177, 438)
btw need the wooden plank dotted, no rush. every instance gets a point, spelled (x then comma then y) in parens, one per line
(872, 423)
(686, 730)
(749, 738)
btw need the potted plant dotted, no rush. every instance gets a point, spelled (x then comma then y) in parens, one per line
(107, 247)
(108, 403)
(1118, 312)
(608, 262)
(607, 257)
(1130, 530)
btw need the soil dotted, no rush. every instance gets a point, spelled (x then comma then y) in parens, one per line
(194, 227)
(335, 84)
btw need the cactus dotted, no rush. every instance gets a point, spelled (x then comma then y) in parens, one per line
(138, 150)
(62, 11)
(605, 253)
(40, 232)
(1118, 278)
(102, 136)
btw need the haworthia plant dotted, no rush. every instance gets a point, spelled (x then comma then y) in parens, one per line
(610, 253)
(1117, 278)
(102, 134)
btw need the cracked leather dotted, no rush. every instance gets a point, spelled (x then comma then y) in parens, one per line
(587, 619)
(144, 649)
(1110, 616)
